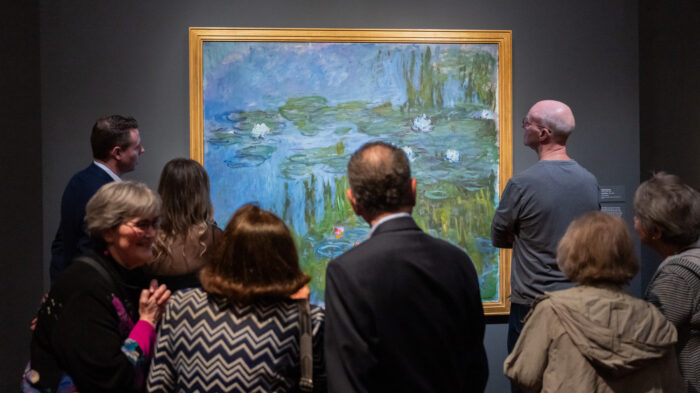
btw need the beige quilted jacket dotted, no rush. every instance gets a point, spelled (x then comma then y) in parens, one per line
(595, 339)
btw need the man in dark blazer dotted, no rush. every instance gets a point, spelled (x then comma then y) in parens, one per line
(116, 147)
(403, 309)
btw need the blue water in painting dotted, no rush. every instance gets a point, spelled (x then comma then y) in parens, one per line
(281, 120)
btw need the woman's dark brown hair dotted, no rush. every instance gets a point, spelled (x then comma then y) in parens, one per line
(255, 260)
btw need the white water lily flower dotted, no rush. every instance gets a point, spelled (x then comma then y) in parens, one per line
(451, 155)
(422, 124)
(260, 130)
(409, 153)
(484, 114)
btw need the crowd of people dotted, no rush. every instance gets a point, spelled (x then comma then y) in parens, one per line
(149, 294)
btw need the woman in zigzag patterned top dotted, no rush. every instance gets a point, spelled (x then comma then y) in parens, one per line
(240, 331)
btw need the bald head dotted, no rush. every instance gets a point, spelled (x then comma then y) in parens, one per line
(555, 116)
(380, 178)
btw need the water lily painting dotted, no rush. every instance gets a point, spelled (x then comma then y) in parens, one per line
(276, 114)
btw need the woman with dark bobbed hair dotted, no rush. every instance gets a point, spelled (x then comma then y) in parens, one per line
(94, 333)
(188, 233)
(239, 332)
(667, 218)
(594, 337)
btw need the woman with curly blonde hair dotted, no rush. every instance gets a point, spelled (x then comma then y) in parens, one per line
(188, 231)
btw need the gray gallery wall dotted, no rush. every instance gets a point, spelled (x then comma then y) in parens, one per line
(130, 57)
(20, 192)
(669, 89)
(669, 95)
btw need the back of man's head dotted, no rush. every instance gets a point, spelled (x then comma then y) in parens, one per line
(380, 178)
(111, 131)
(555, 116)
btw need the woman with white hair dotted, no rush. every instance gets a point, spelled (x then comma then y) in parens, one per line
(96, 330)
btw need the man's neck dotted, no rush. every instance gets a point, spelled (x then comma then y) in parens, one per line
(372, 222)
(553, 152)
(111, 165)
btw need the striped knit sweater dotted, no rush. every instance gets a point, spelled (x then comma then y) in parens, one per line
(207, 345)
(675, 290)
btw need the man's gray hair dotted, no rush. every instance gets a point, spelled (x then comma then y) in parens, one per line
(555, 116)
(555, 123)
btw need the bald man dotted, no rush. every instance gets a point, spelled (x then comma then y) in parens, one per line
(537, 206)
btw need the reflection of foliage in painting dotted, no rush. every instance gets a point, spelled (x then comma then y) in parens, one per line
(474, 72)
(286, 145)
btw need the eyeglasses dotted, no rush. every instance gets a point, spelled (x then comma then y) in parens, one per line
(144, 224)
(527, 122)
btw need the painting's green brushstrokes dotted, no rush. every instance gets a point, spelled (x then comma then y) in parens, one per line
(281, 123)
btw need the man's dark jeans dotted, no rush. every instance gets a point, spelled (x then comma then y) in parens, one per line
(515, 326)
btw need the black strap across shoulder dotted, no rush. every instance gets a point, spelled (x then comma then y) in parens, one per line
(100, 269)
(306, 361)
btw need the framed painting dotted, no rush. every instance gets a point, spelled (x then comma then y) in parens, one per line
(276, 113)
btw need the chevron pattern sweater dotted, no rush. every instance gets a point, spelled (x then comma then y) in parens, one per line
(207, 345)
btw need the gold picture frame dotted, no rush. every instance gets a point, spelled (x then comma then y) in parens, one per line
(498, 42)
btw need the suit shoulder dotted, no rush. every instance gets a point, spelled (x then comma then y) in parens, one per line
(447, 246)
(349, 256)
(88, 180)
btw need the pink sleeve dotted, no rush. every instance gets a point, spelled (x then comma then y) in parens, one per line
(144, 334)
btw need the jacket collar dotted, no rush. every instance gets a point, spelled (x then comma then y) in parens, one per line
(396, 224)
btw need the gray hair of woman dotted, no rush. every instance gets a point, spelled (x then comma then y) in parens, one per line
(117, 202)
(666, 207)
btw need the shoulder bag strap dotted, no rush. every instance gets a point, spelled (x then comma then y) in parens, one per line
(100, 269)
(306, 362)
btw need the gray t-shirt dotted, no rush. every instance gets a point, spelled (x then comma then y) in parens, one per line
(535, 209)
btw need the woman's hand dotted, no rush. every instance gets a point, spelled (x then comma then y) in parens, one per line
(152, 302)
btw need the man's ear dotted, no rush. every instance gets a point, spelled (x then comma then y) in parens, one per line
(353, 202)
(116, 153)
(413, 191)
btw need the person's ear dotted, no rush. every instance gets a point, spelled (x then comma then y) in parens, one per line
(413, 191)
(109, 235)
(646, 236)
(116, 153)
(353, 202)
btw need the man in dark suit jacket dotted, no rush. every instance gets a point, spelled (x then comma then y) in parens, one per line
(116, 147)
(403, 309)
